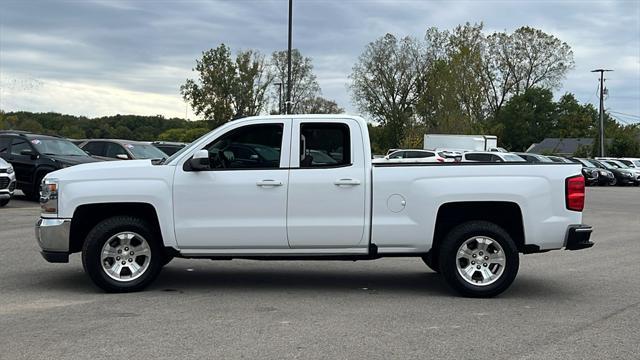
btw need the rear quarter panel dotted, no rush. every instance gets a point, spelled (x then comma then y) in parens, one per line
(538, 189)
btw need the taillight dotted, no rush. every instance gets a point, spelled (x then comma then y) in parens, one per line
(439, 159)
(575, 193)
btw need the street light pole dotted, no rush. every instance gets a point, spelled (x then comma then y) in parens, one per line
(279, 85)
(601, 71)
(288, 104)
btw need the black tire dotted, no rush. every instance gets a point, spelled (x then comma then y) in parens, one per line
(613, 182)
(96, 239)
(4, 202)
(33, 194)
(432, 262)
(448, 258)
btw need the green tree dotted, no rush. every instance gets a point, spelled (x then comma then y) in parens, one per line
(227, 89)
(452, 94)
(514, 63)
(304, 86)
(386, 82)
(319, 105)
(526, 119)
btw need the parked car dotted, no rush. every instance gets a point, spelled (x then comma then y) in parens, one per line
(169, 147)
(7, 182)
(558, 159)
(534, 158)
(630, 162)
(490, 156)
(622, 166)
(33, 156)
(465, 222)
(112, 149)
(411, 156)
(621, 176)
(599, 176)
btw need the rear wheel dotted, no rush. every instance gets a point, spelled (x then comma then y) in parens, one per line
(121, 254)
(479, 259)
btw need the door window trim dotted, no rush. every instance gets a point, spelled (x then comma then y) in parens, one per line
(285, 126)
(298, 134)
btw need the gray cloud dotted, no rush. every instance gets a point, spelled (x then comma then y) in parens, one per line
(148, 48)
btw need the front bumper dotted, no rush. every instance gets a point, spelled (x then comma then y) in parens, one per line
(53, 237)
(577, 237)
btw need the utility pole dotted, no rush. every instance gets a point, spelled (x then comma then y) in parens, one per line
(601, 71)
(288, 104)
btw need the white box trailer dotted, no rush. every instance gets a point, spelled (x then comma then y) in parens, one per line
(461, 142)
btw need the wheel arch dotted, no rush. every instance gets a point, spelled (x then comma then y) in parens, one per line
(87, 216)
(507, 215)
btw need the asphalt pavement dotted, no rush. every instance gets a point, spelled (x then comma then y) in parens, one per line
(563, 304)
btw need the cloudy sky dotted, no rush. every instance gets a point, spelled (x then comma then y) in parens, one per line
(103, 57)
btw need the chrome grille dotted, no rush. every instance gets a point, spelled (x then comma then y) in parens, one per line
(4, 182)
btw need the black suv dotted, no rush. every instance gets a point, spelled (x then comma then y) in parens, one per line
(33, 156)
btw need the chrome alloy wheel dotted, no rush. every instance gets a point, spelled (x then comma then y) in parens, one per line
(125, 256)
(480, 261)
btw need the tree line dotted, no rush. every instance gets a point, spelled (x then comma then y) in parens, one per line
(458, 81)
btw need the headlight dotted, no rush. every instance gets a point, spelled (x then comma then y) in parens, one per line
(49, 196)
(603, 173)
(10, 170)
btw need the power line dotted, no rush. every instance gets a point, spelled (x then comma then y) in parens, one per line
(621, 113)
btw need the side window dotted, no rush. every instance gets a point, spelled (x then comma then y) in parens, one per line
(324, 144)
(496, 158)
(18, 145)
(419, 154)
(397, 155)
(4, 145)
(113, 150)
(248, 147)
(95, 148)
(479, 157)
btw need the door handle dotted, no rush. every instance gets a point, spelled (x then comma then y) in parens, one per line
(269, 182)
(346, 182)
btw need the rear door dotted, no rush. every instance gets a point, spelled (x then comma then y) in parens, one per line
(327, 190)
(23, 165)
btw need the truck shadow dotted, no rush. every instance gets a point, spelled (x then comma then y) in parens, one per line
(309, 281)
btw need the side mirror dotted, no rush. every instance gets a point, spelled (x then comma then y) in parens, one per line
(29, 153)
(200, 161)
(122, 156)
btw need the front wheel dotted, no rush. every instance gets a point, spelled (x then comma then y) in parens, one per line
(479, 259)
(4, 202)
(122, 254)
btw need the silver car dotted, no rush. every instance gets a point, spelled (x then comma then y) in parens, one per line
(7, 182)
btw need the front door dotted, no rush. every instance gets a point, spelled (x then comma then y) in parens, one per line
(241, 202)
(327, 186)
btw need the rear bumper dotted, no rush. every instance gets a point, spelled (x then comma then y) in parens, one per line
(53, 238)
(577, 237)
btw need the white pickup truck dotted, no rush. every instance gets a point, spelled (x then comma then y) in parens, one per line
(304, 187)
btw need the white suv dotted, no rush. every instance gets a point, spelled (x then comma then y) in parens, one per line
(7, 182)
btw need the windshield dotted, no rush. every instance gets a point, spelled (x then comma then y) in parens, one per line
(618, 164)
(183, 150)
(586, 163)
(144, 151)
(267, 153)
(636, 163)
(321, 158)
(511, 157)
(607, 165)
(57, 147)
